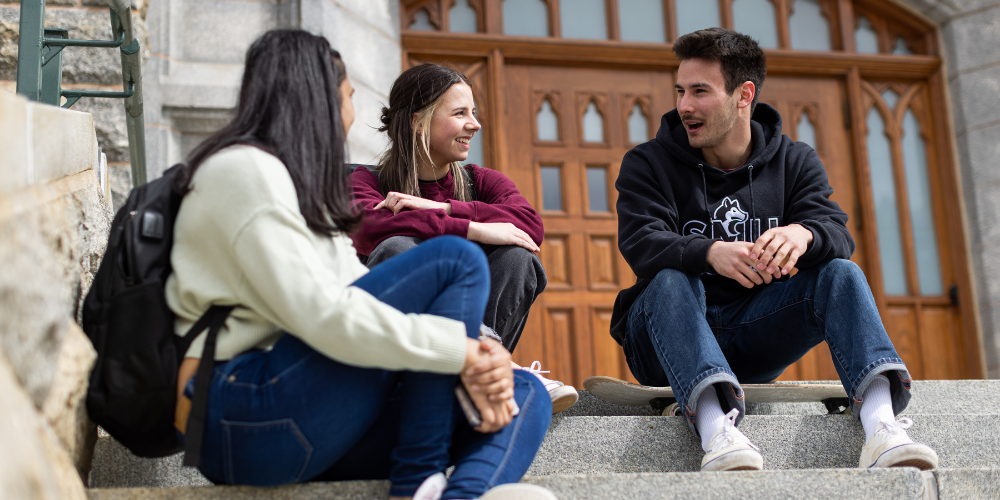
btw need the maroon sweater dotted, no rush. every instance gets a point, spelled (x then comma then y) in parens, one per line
(498, 201)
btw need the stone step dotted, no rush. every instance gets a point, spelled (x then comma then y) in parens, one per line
(631, 444)
(601, 445)
(904, 483)
(969, 397)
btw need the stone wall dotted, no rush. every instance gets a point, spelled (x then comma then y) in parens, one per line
(54, 222)
(970, 32)
(83, 68)
(196, 64)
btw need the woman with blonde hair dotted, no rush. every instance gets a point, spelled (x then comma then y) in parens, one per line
(420, 190)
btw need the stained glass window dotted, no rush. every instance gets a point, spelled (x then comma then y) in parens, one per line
(593, 124)
(641, 21)
(597, 188)
(525, 18)
(918, 192)
(551, 188)
(890, 240)
(584, 19)
(462, 18)
(808, 28)
(547, 123)
(638, 126)
(756, 19)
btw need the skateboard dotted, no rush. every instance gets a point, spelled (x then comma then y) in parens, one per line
(626, 393)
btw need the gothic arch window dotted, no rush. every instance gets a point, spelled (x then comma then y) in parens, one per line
(546, 117)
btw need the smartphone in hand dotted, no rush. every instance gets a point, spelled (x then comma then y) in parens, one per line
(471, 413)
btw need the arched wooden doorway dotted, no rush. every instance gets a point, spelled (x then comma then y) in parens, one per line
(566, 87)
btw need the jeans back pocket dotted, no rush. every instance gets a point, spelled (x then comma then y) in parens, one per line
(269, 453)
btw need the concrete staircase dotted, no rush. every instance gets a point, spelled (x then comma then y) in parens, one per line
(597, 450)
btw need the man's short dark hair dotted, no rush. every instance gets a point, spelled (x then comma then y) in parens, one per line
(741, 57)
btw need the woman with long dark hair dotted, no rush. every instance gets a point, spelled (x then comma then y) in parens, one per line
(420, 190)
(323, 369)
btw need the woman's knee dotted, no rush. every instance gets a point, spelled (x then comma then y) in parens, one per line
(391, 247)
(520, 262)
(461, 250)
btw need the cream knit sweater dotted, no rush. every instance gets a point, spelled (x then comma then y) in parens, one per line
(240, 239)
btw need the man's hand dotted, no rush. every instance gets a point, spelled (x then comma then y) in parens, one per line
(397, 201)
(778, 250)
(489, 379)
(732, 260)
(500, 233)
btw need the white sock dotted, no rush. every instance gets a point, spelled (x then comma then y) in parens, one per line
(708, 416)
(876, 405)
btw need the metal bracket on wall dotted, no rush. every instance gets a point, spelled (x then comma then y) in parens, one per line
(39, 70)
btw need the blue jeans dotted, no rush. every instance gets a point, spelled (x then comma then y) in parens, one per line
(672, 337)
(291, 414)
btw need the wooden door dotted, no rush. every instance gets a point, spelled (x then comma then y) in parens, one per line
(568, 129)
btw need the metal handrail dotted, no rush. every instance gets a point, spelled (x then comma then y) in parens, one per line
(39, 76)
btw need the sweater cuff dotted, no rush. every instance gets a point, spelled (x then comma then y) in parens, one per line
(456, 227)
(694, 257)
(809, 256)
(450, 345)
(462, 210)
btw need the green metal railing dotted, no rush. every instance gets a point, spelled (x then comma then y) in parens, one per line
(39, 70)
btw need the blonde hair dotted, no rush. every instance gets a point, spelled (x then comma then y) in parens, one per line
(414, 98)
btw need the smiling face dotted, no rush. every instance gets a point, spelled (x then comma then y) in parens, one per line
(453, 125)
(708, 112)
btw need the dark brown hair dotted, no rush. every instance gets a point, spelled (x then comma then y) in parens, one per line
(741, 57)
(289, 106)
(417, 92)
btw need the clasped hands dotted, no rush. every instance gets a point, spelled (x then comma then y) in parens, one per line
(489, 379)
(772, 256)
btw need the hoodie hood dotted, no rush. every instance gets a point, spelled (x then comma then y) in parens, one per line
(765, 136)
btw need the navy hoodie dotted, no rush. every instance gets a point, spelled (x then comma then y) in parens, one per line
(672, 205)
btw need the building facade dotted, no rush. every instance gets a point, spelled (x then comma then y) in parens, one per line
(901, 99)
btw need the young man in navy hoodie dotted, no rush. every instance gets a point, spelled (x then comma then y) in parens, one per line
(742, 263)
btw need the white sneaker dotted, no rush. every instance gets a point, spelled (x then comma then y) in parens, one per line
(891, 447)
(730, 449)
(432, 488)
(518, 491)
(563, 396)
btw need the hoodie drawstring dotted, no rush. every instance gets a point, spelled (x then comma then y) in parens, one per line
(753, 213)
(704, 186)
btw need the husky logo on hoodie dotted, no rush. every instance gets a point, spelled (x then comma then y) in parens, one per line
(729, 223)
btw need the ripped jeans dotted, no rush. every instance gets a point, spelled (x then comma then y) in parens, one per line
(672, 337)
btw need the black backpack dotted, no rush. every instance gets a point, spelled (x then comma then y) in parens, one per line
(133, 386)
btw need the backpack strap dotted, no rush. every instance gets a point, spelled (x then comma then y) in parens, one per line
(213, 319)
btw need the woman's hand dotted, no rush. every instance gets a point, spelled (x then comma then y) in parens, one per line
(397, 201)
(489, 380)
(500, 233)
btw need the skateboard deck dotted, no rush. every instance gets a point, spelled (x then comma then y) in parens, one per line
(626, 393)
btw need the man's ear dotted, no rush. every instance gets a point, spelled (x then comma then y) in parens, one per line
(747, 92)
